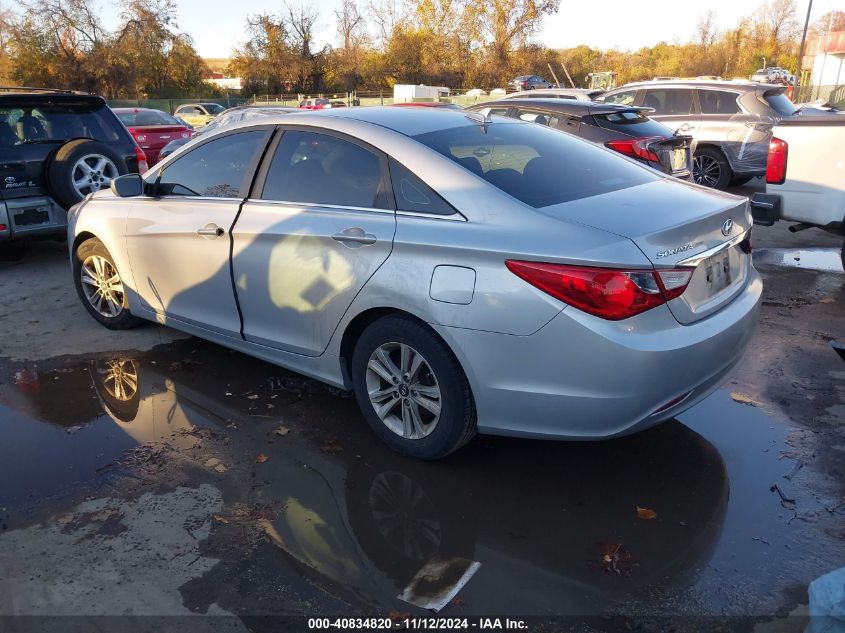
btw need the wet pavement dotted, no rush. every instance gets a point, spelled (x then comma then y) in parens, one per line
(189, 479)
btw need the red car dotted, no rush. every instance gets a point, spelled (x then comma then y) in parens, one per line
(152, 129)
(320, 104)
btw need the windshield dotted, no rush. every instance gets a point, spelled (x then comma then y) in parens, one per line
(57, 122)
(142, 118)
(780, 103)
(631, 122)
(534, 164)
(213, 108)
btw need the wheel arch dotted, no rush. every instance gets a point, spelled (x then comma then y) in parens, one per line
(363, 319)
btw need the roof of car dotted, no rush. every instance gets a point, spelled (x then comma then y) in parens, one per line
(407, 121)
(58, 96)
(569, 106)
(710, 83)
(128, 110)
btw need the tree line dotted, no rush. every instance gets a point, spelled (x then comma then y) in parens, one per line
(455, 43)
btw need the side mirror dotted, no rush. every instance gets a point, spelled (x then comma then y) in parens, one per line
(128, 186)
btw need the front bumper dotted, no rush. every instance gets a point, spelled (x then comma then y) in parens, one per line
(581, 377)
(765, 208)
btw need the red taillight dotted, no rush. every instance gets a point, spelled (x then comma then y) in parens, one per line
(636, 147)
(142, 160)
(3, 227)
(604, 292)
(776, 165)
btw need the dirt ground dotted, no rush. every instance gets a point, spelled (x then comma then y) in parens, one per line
(221, 486)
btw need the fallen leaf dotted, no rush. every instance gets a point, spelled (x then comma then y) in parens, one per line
(827, 300)
(736, 396)
(261, 458)
(220, 519)
(216, 464)
(646, 514)
(67, 518)
(615, 559)
(252, 397)
(104, 515)
(398, 616)
(282, 431)
(458, 602)
(332, 447)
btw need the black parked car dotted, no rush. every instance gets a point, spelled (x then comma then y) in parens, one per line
(625, 129)
(56, 147)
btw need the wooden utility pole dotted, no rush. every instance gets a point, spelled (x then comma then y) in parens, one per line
(571, 83)
(551, 70)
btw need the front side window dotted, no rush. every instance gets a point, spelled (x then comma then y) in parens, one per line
(322, 169)
(669, 101)
(534, 164)
(718, 102)
(217, 169)
(214, 108)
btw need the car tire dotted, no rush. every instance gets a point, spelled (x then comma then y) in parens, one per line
(711, 168)
(80, 167)
(407, 422)
(104, 298)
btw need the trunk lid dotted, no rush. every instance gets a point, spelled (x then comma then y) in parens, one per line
(674, 154)
(157, 136)
(677, 224)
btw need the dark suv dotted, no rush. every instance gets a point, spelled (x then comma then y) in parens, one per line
(730, 121)
(56, 147)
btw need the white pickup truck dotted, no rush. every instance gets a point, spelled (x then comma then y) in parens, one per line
(805, 175)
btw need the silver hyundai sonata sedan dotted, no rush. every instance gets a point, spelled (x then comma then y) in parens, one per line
(460, 274)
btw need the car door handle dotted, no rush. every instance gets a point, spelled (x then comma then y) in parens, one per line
(211, 230)
(354, 237)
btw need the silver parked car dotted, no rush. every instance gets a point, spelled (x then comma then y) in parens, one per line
(730, 121)
(459, 273)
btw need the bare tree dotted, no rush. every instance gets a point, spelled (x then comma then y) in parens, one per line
(350, 24)
(301, 20)
(705, 31)
(385, 16)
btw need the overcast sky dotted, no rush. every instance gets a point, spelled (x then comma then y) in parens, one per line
(625, 24)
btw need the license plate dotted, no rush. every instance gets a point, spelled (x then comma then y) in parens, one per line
(679, 159)
(718, 272)
(32, 216)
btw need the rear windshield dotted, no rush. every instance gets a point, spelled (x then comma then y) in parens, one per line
(780, 103)
(213, 108)
(535, 164)
(58, 121)
(146, 117)
(632, 123)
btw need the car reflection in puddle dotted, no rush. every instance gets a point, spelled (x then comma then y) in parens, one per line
(553, 525)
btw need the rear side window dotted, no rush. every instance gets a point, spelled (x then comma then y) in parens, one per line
(59, 121)
(146, 117)
(718, 102)
(622, 98)
(217, 169)
(534, 164)
(780, 103)
(412, 194)
(539, 117)
(632, 123)
(666, 101)
(322, 169)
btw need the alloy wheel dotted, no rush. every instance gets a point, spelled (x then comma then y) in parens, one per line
(120, 378)
(405, 516)
(706, 170)
(102, 285)
(403, 390)
(92, 173)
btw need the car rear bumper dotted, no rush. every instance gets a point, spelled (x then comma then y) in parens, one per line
(581, 377)
(30, 217)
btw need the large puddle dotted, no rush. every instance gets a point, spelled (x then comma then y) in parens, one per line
(826, 260)
(554, 526)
